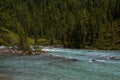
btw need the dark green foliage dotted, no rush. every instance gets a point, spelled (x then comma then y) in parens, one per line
(72, 23)
(23, 42)
(7, 37)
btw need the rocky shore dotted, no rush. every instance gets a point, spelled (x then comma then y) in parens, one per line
(15, 51)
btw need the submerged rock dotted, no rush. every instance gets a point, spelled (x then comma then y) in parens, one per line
(73, 59)
(114, 58)
(63, 58)
(92, 60)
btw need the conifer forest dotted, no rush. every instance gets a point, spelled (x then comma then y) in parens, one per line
(81, 24)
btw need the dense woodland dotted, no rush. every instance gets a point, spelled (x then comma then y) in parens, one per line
(82, 24)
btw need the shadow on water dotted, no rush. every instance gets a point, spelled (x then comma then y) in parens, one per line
(5, 78)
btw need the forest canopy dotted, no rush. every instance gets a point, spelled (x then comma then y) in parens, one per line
(73, 23)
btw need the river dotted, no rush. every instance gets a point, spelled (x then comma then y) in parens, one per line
(42, 67)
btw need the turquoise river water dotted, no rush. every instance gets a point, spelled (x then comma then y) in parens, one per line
(44, 67)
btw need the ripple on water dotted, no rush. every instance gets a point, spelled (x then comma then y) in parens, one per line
(40, 67)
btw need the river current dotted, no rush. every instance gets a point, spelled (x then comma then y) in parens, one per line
(90, 65)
